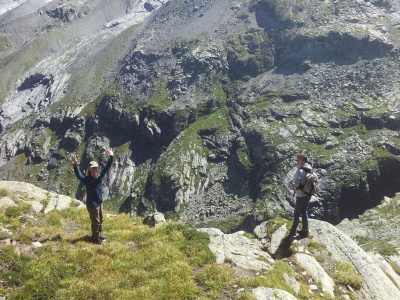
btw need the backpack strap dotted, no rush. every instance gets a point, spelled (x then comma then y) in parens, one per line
(301, 186)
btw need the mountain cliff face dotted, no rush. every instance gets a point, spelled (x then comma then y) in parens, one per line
(206, 103)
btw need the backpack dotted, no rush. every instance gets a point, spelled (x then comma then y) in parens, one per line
(311, 184)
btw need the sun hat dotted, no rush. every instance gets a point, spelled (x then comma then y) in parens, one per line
(93, 164)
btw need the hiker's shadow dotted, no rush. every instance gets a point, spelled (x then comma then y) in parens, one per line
(86, 238)
(285, 247)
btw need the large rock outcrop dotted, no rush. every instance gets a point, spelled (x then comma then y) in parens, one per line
(40, 200)
(239, 250)
(314, 260)
(345, 249)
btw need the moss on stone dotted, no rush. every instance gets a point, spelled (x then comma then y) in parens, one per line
(243, 156)
(275, 224)
(160, 99)
(227, 224)
(346, 274)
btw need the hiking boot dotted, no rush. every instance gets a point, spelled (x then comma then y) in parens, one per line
(303, 232)
(99, 241)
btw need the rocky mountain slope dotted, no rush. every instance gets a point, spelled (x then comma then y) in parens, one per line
(37, 224)
(206, 102)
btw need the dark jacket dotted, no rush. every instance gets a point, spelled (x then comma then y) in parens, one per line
(94, 189)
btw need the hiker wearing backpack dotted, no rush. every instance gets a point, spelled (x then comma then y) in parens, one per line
(302, 198)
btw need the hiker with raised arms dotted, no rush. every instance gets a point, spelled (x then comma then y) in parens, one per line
(94, 193)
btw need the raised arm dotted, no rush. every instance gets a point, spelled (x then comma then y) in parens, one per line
(109, 163)
(74, 159)
(74, 162)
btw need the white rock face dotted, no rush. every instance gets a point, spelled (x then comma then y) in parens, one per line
(386, 267)
(310, 264)
(262, 293)
(160, 219)
(37, 197)
(277, 237)
(37, 244)
(261, 230)
(238, 249)
(352, 228)
(376, 283)
(6, 202)
(294, 284)
(7, 5)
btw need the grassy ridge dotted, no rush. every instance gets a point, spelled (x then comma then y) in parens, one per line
(137, 262)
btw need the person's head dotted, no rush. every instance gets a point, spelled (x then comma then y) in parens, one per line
(93, 169)
(301, 159)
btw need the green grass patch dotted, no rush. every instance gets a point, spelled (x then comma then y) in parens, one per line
(16, 211)
(3, 193)
(192, 243)
(249, 235)
(316, 246)
(228, 224)
(382, 246)
(274, 224)
(160, 99)
(395, 267)
(14, 267)
(271, 279)
(346, 274)
(386, 249)
(115, 202)
(243, 156)
(219, 94)
(91, 107)
(213, 278)
(246, 295)
(137, 262)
